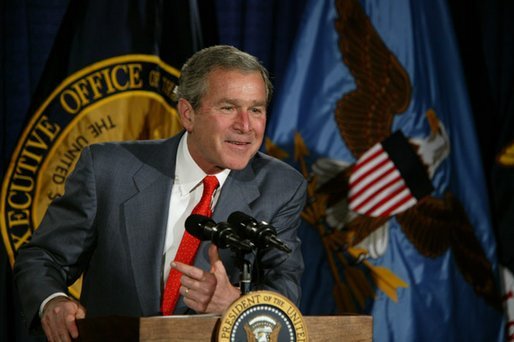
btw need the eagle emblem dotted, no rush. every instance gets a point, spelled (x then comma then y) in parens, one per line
(351, 204)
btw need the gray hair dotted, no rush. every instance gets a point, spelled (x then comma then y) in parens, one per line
(194, 73)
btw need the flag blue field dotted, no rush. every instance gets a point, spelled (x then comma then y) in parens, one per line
(361, 71)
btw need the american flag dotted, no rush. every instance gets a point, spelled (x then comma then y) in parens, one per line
(378, 185)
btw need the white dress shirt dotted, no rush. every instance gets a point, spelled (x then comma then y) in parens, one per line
(186, 193)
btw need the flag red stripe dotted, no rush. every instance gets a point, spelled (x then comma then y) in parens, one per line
(392, 210)
(374, 182)
(353, 182)
(361, 207)
(389, 200)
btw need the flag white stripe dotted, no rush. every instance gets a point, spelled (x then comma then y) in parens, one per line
(371, 151)
(391, 203)
(365, 167)
(377, 197)
(412, 201)
(373, 188)
(372, 177)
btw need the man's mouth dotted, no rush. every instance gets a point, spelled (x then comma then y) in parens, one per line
(240, 143)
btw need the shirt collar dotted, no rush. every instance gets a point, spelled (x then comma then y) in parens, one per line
(188, 175)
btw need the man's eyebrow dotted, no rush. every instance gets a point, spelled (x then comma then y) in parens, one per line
(236, 102)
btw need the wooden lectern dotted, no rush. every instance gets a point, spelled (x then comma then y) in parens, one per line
(204, 328)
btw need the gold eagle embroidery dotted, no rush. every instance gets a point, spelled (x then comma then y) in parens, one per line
(364, 117)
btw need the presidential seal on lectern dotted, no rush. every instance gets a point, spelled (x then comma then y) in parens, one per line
(262, 316)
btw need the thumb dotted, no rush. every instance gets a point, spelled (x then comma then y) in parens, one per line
(215, 260)
(214, 255)
(81, 312)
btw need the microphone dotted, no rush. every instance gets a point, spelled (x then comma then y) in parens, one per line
(221, 234)
(261, 233)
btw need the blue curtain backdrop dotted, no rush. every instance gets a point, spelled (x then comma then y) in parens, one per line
(265, 29)
(27, 35)
(485, 35)
(486, 41)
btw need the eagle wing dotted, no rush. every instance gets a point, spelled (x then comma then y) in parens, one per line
(434, 225)
(364, 116)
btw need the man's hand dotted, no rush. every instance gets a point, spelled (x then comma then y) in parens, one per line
(59, 319)
(207, 292)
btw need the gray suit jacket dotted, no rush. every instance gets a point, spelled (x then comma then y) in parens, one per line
(111, 223)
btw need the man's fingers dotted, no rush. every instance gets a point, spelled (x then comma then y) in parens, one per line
(187, 270)
(50, 330)
(204, 286)
(71, 320)
(81, 313)
(71, 325)
(59, 319)
(197, 287)
(206, 291)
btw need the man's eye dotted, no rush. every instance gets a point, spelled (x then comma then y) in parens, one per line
(257, 111)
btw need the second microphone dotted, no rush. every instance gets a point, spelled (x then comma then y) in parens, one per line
(221, 234)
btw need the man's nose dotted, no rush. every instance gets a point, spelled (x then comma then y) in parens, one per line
(242, 122)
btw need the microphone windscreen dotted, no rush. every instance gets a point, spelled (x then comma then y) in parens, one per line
(238, 217)
(196, 226)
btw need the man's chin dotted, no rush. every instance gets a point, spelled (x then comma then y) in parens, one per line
(237, 165)
(233, 167)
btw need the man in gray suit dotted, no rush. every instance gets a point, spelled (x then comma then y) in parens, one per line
(121, 218)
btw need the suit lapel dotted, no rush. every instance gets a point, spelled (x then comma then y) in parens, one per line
(239, 191)
(146, 216)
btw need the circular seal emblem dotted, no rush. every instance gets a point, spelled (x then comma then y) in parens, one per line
(128, 97)
(262, 316)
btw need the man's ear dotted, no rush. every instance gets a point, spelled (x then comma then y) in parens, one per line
(186, 113)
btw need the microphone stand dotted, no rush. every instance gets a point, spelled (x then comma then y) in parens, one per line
(245, 278)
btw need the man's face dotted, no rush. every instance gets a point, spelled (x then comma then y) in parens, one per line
(227, 129)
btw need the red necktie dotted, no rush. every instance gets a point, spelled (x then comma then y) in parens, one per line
(188, 247)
